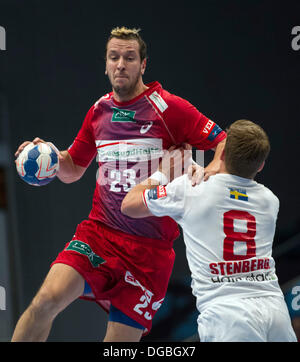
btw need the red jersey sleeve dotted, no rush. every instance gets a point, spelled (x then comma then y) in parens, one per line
(187, 124)
(83, 149)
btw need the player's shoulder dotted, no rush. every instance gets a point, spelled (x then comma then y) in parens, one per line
(175, 100)
(268, 194)
(105, 98)
(167, 101)
(179, 186)
(177, 183)
(183, 185)
(97, 107)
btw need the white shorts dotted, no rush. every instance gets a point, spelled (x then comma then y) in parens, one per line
(260, 319)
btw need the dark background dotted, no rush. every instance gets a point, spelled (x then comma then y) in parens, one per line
(231, 59)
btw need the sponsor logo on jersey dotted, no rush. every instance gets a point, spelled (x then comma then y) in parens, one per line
(158, 101)
(123, 115)
(144, 129)
(129, 278)
(84, 249)
(238, 194)
(208, 126)
(251, 270)
(157, 193)
(133, 150)
(260, 277)
(214, 132)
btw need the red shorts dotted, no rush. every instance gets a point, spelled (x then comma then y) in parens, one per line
(121, 269)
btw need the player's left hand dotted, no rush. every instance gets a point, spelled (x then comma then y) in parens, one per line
(212, 168)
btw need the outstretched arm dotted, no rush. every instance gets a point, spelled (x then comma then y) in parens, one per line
(170, 167)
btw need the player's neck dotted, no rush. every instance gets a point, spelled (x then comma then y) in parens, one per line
(139, 89)
(223, 168)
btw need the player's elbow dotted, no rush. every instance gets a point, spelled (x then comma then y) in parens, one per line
(130, 207)
(127, 207)
(70, 174)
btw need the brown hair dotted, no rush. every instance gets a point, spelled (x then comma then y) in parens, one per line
(129, 34)
(247, 147)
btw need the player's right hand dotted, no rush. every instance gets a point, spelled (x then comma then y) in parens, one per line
(24, 144)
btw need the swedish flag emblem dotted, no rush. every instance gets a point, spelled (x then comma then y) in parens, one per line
(238, 194)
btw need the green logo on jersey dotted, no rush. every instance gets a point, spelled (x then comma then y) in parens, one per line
(85, 249)
(123, 115)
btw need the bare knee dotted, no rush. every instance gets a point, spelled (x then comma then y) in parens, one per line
(45, 305)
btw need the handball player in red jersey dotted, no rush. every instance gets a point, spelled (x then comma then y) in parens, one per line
(121, 263)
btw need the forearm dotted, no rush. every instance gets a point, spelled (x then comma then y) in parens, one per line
(133, 204)
(68, 171)
(219, 149)
(215, 165)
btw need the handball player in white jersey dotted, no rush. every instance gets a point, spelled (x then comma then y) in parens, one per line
(228, 224)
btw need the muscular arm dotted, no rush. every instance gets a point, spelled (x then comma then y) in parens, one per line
(68, 171)
(133, 204)
(171, 164)
(214, 166)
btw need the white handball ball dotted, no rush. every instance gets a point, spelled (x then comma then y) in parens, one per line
(37, 164)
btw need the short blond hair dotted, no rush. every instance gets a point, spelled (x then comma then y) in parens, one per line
(247, 147)
(129, 34)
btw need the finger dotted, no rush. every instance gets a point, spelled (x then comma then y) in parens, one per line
(187, 146)
(198, 177)
(173, 151)
(188, 156)
(190, 172)
(38, 140)
(21, 148)
(170, 149)
(206, 175)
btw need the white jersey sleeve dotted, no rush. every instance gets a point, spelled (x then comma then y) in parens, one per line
(167, 200)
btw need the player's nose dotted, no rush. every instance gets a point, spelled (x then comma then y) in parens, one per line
(121, 63)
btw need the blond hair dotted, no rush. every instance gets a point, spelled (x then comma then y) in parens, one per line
(129, 34)
(247, 147)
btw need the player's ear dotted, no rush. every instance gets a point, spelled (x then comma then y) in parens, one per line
(261, 167)
(143, 68)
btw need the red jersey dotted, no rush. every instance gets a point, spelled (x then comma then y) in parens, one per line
(128, 139)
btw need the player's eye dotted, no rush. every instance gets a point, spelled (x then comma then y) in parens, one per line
(113, 57)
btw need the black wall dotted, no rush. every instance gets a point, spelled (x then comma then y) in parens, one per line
(231, 59)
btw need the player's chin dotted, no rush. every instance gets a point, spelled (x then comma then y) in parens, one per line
(121, 87)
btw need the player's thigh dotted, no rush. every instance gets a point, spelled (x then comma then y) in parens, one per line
(118, 332)
(62, 285)
(230, 322)
(281, 329)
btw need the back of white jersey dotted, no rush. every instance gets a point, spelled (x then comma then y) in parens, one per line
(228, 224)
